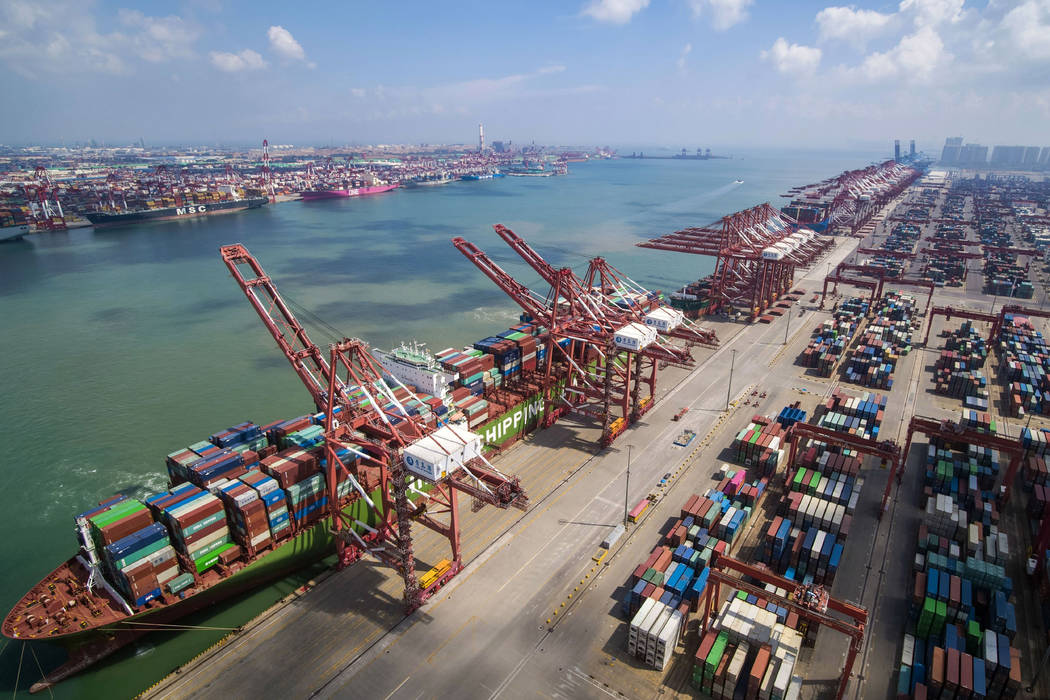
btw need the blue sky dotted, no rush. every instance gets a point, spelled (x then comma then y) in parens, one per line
(717, 73)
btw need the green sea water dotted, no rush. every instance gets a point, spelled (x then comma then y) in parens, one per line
(122, 345)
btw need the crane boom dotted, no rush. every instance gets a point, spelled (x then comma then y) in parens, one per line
(305, 357)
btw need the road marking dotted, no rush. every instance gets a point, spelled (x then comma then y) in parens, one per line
(397, 688)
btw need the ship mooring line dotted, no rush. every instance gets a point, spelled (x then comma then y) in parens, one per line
(18, 675)
(41, 669)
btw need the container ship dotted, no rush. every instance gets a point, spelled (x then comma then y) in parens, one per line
(250, 505)
(340, 191)
(816, 216)
(190, 208)
(14, 223)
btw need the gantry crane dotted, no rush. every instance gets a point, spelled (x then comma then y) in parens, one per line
(950, 431)
(589, 340)
(620, 295)
(756, 250)
(811, 603)
(877, 287)
(372, 441)
(42, 197)
(997, 319)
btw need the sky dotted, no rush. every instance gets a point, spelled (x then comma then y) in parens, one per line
(711, 73)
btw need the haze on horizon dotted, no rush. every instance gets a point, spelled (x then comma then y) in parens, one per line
(673, 72)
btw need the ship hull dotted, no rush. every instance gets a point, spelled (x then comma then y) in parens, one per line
(314, 195)
(188, 211)
(13, 233)
(87, 647)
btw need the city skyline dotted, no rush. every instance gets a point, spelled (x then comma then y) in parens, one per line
(693, 73)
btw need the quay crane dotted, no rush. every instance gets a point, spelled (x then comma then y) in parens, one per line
(372, 440)
(756, 250)
(587, 335)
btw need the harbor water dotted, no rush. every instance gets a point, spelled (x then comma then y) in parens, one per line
(122, 345)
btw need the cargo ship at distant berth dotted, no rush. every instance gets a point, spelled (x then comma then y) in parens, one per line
(340, 192)
(816, 216)
(116, 217)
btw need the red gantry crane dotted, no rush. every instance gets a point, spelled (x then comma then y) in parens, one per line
(811, 603)
(44, 207)
(599, 354)
(372, 441)
(756, 250)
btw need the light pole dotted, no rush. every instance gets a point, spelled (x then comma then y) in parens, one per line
(729, 389)
(787, 324)
(627, 489)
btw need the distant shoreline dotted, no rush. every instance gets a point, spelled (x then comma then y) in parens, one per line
(674, 157)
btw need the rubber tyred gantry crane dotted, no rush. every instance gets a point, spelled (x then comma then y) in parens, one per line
(756, 252)
(373, 442)
(603, 355)
(810, 603)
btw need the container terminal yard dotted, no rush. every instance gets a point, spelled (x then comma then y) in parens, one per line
(689, 536)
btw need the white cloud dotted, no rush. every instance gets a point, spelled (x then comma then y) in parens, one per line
(614, 11)
(851, 25)
(683, 55)
(1026, 30)
(793, 59)
(285, 45)
(914, 59)
(358, 92)
(159, 38)
(724, 13)
(236, 62)
(62, 37)
(930, 13)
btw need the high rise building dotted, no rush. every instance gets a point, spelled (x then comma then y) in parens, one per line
(481, 138)
(897, 150)
(911, 149)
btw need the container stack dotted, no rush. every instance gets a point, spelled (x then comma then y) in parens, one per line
(140, 564)
(273, 497)
(962, 617)
(861, 416)
(676, 570)
(1024, 365)
(291, 466)
(307, 500)
(655, 631)
(121, 538)
(250, 526)
(759, 445)
(245, 436)
(885, 339)
(197, 522)
(789, 415)
(748, 652)
(831, 338)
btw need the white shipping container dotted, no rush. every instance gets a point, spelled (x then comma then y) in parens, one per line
(664, 318)
(635, 336)
(442, 452)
